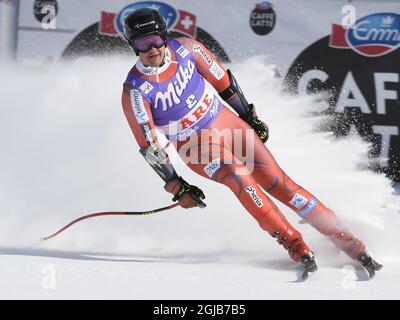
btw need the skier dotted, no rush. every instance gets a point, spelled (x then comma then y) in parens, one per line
(178, 86)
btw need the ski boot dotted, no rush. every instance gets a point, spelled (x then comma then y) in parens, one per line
(369, 264)
(293, 242)
(299, 251)
(310, 266)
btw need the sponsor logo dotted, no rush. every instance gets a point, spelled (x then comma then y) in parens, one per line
(138, 26)
(263, 18)
(191, 101)
(147, 132)
(182, 51)
(188, 124)
(217, 71)
(203, 54)
(306, 211)
(112, 24)
(214, 108)
(175, 88)
(179, 22)
(138, 106)
(146, 87)
(212, 167)
(149, 71)
(196, 114)
(372, 36)
(298, 201)
(360, 70)
(253, 194)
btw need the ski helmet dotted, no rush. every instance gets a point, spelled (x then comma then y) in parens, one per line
(144, 22)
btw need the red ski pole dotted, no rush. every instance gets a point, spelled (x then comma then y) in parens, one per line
(99, 214)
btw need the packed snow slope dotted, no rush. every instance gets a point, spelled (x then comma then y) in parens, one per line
(67, 150)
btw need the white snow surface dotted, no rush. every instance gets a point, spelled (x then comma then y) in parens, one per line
(67, 150)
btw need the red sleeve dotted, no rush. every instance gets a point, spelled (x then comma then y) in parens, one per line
(209, 67)
(138, 113)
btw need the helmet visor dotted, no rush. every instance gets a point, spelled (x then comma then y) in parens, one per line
(145, 43)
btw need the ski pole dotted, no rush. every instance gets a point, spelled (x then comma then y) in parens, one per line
(98, 214)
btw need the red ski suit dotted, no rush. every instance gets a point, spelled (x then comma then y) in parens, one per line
(251, 185)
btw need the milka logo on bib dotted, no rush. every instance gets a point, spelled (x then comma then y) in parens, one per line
(175, 88)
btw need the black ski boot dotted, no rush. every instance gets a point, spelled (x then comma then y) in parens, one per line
(310, 266)
(369, 264)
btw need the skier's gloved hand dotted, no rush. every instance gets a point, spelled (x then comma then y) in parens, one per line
(256, 123)
(187, 195)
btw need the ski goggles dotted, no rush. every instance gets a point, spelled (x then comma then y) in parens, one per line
(145, 43)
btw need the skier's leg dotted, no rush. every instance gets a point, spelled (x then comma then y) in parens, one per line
(215, 161)
(313, 211)
(273, 180)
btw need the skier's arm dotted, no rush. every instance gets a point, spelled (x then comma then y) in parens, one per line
(225, 84)
(138, 113)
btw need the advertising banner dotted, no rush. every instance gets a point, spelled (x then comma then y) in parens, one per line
(348, 49)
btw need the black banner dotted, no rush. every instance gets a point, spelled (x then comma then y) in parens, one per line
(359, 70)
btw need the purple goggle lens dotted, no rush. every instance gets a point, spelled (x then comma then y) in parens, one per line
(144, 44)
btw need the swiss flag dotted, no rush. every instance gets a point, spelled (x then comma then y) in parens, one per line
(338, 37)
(186, 24)
(106, 25)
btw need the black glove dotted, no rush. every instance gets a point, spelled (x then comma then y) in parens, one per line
(255, 122)
(187, 195)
